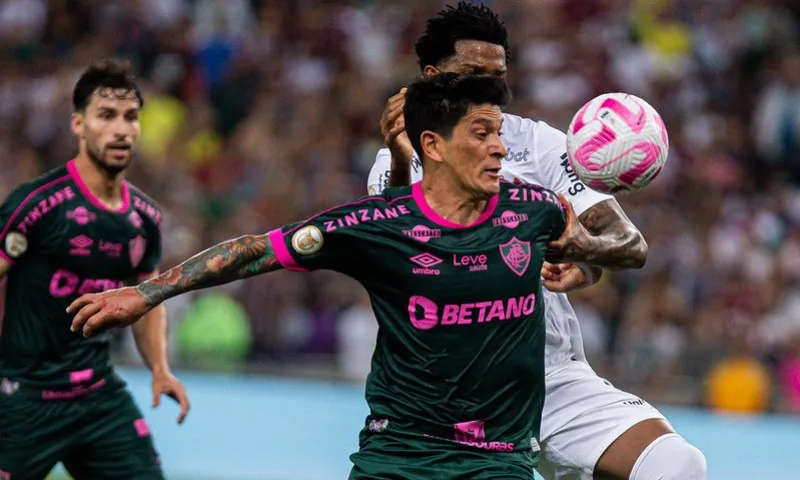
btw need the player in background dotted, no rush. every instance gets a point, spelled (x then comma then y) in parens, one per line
(451, 265)
(77, 229)
(590, 429)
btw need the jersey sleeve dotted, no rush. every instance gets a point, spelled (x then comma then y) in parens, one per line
(378, 178)
(331, 240)
(16, 237)
(557, 175)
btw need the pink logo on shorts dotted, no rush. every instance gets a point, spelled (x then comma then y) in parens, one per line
(141, 427)
(81, 376)
(517, 255)
(470, 432)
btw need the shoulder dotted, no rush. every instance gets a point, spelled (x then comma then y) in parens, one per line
(147, 208)
(42, 185)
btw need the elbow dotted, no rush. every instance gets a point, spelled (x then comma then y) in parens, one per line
(640, 252)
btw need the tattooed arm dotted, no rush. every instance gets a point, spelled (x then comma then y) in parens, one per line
(618, 244)
(602, 236)
(235, 259)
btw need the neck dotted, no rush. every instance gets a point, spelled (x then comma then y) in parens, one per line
(451, 201)
(104, 186)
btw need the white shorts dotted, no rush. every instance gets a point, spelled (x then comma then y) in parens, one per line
(583, 414)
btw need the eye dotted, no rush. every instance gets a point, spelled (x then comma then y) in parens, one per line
(481, 134)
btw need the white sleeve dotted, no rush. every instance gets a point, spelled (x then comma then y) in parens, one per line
(551, 149)
(378, 178)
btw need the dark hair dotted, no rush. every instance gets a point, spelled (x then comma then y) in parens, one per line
(465, 21)
(107, 73)
(438, 103)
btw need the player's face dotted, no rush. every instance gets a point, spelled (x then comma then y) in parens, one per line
(109, 128)
(475, 151)
(475, 58)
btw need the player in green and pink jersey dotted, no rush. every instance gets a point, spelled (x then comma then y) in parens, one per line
(452, 265)
(80, 228)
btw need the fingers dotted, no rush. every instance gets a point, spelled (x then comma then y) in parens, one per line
(393, 111)
(183, 401)
(156, 396)
(81, 302)
(568, 206)
(95, 322)
(84, 314)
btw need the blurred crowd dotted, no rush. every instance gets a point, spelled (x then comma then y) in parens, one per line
(259, 113)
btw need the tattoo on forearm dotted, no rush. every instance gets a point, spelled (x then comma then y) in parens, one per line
(619, 242)
(231, 260)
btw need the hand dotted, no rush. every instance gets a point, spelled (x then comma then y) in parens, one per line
(164, 383)
(576, 242)
(564, 277)
(113, 308)
(393, 127)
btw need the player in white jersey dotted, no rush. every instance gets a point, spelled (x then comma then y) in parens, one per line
(589, 428)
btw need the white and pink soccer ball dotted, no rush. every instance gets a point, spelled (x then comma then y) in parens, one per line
(617, 143)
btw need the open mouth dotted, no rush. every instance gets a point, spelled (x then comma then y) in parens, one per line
(119, 150)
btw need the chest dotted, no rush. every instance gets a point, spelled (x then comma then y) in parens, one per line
(499, 260)
(89, 242)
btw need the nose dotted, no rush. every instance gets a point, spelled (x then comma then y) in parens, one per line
(123, 129)
(499, 147)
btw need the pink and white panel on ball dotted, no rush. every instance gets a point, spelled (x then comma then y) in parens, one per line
(616, 143)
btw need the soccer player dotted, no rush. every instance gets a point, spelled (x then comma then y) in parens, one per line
(589, 427)
(77, 229)
(451, 265)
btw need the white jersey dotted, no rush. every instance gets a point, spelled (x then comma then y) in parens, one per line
(536, 154)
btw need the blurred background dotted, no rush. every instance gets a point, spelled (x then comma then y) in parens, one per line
(259, 113)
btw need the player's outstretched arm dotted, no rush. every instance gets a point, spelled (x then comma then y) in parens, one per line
(602, 236)
(235, 259)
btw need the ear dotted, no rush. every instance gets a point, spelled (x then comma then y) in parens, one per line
(430, 71)
(432, 146)
(77, 124)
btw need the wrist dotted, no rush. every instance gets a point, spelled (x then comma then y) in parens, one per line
(160, 369)
(152, 297)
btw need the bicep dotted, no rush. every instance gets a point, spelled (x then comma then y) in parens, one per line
(604, 214)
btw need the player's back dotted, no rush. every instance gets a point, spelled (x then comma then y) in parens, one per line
(459, 358)
(61, 243)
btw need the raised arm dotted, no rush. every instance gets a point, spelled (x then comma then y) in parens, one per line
(394, 134)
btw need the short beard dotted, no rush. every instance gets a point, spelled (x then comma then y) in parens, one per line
(97, 160)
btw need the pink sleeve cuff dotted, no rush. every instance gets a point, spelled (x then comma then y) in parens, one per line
(282, 253)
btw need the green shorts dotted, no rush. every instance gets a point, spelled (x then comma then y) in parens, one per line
(98, 436)
(389, 457)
